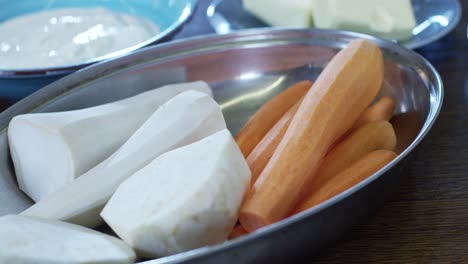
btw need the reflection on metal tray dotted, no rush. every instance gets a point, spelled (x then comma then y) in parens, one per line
(245, 69)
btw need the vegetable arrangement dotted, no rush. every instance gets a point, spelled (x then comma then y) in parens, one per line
(178, 180)
(102, 129)
(186, 118)
(340, 94)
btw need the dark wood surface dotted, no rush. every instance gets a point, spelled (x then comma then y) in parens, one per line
(427, 220)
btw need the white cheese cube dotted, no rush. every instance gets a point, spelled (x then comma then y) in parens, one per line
(282, 13)
(383, 18)
(398, 19)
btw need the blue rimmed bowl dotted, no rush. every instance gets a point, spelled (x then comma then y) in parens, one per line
(168, 15)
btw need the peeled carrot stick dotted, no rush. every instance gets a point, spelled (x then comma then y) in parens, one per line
(238, 231)
(259, 124)
(346, 86)
(381, 110)
(369, 137)
(358, 171)
(262, 153)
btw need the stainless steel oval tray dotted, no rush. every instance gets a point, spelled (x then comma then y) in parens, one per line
(245, 69)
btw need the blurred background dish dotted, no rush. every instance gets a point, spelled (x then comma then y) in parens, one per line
(434, 19)
(167, 15)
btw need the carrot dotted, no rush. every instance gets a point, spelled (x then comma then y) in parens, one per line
(369, 137)
(342, 91)
(259, 124)
(262, 153)
(357, 172)
(238, 231)
(381, 110)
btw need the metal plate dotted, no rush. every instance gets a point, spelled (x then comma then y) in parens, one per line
(434, 18)
(245, 69)
(168, 15)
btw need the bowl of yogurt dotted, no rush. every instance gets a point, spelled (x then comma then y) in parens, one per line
(43, 40)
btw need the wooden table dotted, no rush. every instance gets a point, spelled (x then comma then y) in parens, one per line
(427, 220)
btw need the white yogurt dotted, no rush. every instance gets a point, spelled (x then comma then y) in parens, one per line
(68, 36)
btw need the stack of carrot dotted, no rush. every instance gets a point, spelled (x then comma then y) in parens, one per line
(314, 141)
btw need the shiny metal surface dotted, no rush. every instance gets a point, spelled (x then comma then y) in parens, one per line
(245, 69)
(434, 18)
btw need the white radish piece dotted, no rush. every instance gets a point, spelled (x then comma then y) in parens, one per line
(31, 240)
(184, 199)
(186, 118)
(49, 150)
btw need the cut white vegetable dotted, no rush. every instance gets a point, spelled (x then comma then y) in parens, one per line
(49, 150)
(186, 118)
(184, 199)
(28, 240)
